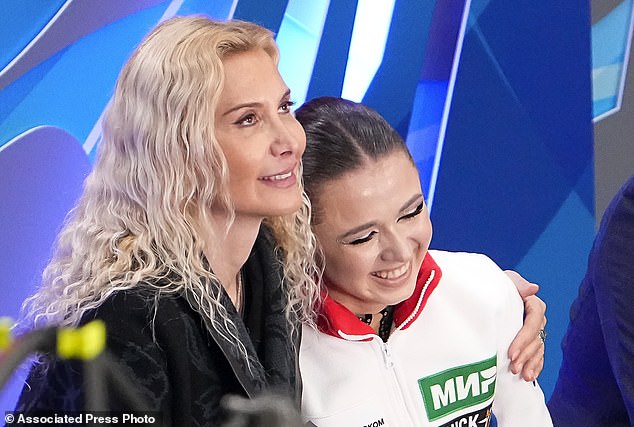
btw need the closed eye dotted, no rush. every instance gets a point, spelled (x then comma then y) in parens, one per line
(361, 240)
(414, 213)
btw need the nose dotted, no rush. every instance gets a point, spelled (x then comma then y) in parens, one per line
(396, 246)
(285, 136)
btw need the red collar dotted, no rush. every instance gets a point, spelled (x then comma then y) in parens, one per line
(338, 321)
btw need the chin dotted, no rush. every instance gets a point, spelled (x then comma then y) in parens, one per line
(284, 207)
(407, 292)
(293, 203)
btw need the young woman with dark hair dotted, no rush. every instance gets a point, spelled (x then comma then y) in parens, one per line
(406, 336)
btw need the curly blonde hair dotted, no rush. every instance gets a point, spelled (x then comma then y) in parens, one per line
(158, 169)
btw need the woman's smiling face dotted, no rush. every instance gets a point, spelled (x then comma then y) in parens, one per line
(259, 136)
(374, 231)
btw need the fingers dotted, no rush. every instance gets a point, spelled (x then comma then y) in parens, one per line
(533, 367)
(531, 361)
(527, 349)
(524, 287)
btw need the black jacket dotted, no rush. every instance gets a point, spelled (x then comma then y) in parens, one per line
(179, 364)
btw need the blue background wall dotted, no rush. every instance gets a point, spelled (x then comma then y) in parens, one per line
(516, 178)
(493, 97)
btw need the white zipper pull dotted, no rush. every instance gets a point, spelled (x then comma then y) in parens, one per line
(387, 355)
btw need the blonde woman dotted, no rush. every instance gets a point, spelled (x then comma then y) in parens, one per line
(191, 217)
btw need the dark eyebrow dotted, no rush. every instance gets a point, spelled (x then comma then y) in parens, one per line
(286, 95)
(412, 200)
(370, 224)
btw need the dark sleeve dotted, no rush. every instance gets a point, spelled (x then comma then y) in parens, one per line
(166, 355)
(56, 385)
(596, 380)
(613, 277)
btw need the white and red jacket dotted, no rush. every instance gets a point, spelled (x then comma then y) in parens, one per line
(445, 364)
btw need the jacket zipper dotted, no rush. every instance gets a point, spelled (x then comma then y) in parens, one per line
(388, 360)
(387, 356)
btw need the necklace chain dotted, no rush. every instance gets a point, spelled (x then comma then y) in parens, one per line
(239, 286)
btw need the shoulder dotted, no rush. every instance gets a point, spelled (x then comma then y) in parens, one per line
(145, 317)
(136, 304)
(610, 268)
(615, 238)
(628, 187)
(476, 274)
(619, 215)
(466, 262)
(310, 337)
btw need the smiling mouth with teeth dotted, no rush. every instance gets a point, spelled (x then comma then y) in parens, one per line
(277, 177)
(392, 274)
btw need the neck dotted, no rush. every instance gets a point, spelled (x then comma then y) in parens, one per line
(380, 322)
(376, 322)
(228, 249)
